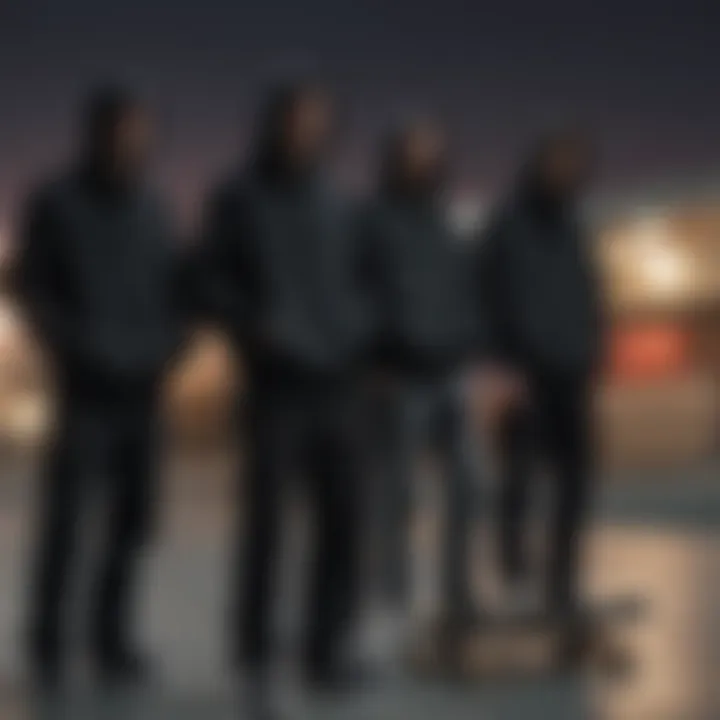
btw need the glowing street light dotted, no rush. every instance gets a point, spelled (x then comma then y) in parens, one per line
(661, 266)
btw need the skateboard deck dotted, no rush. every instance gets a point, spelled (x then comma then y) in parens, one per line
(531, 643)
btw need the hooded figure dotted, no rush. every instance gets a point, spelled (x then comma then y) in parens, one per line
(539, 299)
(414, 260)
(420, 296)
(282, 279)
(99, 277)
(539, 286)
(280, 262)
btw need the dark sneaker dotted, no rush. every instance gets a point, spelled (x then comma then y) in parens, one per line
(46, 666)
(46, 675)
(339, 677)
(122, 667)
(462, 619)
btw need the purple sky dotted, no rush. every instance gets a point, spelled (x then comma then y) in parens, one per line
(646, 73)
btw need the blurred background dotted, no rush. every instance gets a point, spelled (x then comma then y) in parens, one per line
(641, 72)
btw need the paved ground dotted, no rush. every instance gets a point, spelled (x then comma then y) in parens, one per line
(658, 541)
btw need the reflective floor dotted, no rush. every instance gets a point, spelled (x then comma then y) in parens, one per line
(661, 542)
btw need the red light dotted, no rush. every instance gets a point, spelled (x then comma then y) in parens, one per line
(649, 352)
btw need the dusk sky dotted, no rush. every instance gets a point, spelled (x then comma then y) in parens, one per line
(646, 73)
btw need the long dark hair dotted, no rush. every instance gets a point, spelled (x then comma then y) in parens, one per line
(530, 178)
(104, 107)
(270, 125)
(393, 172)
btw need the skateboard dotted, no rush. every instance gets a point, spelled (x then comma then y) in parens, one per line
(595, 639)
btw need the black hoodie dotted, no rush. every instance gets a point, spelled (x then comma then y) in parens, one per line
(536, 287)
(99, 274)
(281, 266)
(416, 275)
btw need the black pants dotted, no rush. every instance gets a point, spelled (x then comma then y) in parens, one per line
(300, 427)
(420, 415)
(555, 427)
(106, 437)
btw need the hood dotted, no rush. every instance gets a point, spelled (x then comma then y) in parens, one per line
(104, 108)
(268, 155)
(393, 181)
(530, 185)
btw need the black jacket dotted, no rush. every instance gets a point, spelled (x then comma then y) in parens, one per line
(281, 271)
(100, 277)
(416, 276)
(536, 289)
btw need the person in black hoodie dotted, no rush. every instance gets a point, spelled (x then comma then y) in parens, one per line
(539, 297)
(281, 277)
(98, 276)
(416, 277)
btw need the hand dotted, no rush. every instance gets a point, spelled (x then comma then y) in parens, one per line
(497, 391)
